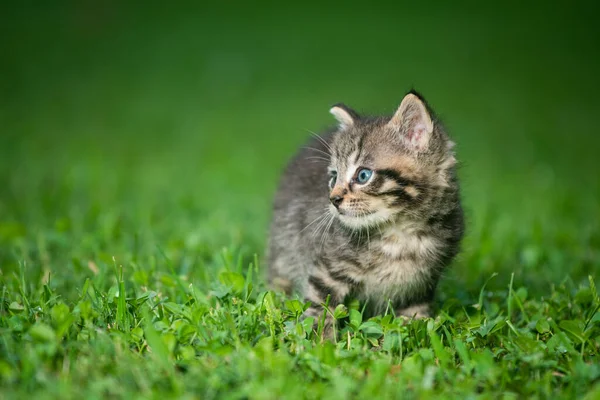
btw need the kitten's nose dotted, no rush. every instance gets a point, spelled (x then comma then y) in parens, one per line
(336, 200)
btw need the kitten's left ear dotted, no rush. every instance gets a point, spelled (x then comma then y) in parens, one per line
(413, 122)
(345, 115)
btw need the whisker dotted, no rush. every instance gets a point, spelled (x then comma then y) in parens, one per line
(379, 228)
(326, 231)
(321, 224)
(318, 158)
(320, 139)
(313, 221)
(318, 150)
(359, 235)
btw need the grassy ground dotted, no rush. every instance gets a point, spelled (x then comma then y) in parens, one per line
(139, 149)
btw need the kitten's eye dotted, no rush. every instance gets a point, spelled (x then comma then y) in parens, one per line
(363, 175)
(332, 179)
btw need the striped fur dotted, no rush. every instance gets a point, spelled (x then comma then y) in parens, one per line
(391, 237)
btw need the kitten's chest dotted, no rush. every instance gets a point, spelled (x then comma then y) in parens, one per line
(407, 241)
(400, 262)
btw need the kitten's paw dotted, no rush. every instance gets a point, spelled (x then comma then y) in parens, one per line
(418, 311)
(282, 284)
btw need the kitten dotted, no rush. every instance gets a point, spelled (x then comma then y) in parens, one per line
(370, 210)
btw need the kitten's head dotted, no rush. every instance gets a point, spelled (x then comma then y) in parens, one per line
(387, 169)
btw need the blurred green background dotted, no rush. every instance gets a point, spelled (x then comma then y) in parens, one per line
(126, 129)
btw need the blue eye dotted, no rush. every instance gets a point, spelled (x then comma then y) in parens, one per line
(363, 175)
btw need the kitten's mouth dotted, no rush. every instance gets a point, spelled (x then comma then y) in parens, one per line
(353, 213)
(361, 218)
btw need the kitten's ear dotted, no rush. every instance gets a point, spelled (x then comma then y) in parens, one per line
(345, 115)
(413, 122)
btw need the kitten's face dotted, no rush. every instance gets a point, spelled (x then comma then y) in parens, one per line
(383, 170)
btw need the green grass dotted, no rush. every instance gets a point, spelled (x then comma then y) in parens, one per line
(139, 149)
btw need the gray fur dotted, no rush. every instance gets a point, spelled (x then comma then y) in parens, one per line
(396, 254)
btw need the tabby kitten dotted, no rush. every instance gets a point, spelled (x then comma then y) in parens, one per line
(370, 210)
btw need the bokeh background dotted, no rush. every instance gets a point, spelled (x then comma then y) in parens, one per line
(131, 130)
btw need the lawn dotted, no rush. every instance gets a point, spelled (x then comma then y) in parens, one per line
(140, 148)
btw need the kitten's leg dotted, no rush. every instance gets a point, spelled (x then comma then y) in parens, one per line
(282, 284)
(417, 311)
(320, 285)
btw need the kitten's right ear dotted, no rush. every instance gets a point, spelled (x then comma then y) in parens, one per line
(345, 115)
